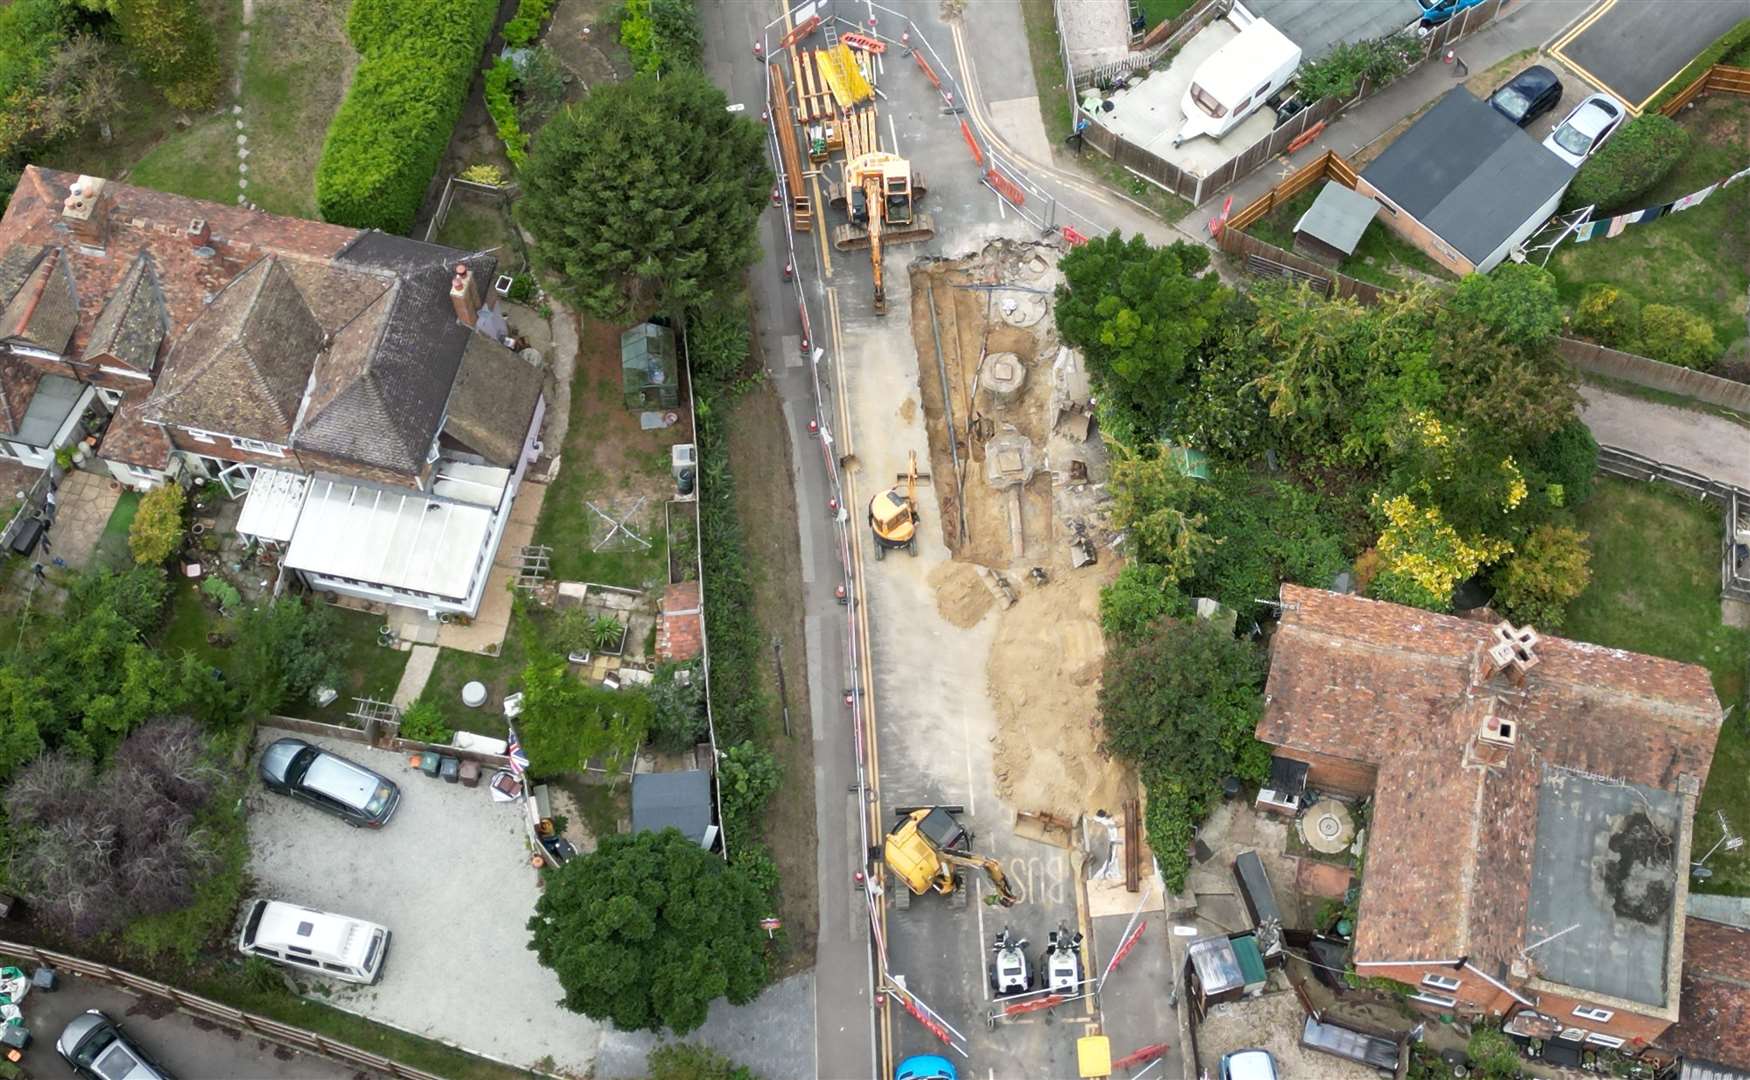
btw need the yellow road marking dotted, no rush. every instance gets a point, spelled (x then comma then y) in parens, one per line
(1580, 28)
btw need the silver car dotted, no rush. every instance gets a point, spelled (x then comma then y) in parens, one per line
(329, 782)
(96, 1048)
(1592, 121)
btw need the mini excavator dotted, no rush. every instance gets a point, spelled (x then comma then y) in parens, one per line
(893, 514)
(927, 849)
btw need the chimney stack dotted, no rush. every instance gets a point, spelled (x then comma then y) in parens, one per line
(464, 295)
(200, 234)
(1512, 652)
(86, 212)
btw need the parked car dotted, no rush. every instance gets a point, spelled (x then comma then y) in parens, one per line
(319, 942)
(1435, 12)
(926, 1067)
(1248, 1065)
(1592, 121)
(1528, 95)
(97, 1048)
(329, 782)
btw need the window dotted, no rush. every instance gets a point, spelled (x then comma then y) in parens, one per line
(1586, 1012)
(112, 398)
(257, 446)
(1207, 103)
(1438, 1000)
(1440, 982)
(198, 435)
(1610, 1041)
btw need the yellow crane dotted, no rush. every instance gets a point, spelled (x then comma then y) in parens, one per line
(927, 848)
(878, 194)
(893, 514)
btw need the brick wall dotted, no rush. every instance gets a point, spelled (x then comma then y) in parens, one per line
(339, 466)
(1329, 773)
(1415, 232)
(1623, 1024)
(220, 447)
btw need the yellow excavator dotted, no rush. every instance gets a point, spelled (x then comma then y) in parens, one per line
(893, 514)
(878, 192)
(927, 849)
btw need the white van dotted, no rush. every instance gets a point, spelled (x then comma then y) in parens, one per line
(316, 941)
(1236, 79)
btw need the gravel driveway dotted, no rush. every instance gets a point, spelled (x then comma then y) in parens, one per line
(449, 876)
(1701, 442)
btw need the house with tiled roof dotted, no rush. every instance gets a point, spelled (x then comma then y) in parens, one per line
(352, 387)
(1712, 1034)
(1531, 798)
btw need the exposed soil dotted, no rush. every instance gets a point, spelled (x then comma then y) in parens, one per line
(961, 596)
(759, 449)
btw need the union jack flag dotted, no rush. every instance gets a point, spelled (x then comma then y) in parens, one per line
(514, 750)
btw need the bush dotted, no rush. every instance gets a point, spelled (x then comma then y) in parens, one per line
(1608, 316)
(1339, 72)
(747, 774)
(1493, 1055)
(157, 525)
(390, 132)
(525, 26)
(284, 651)
(1564, 464)
(173, 43)
(500, 79)
(1550, 569)
(1675, 336)
(423, 722)
(661, 35)
(677, 708)
(1138, 596)
(1732, 47)
(1516, 300)
(566, 722)
(717, 341)
(1628, 166)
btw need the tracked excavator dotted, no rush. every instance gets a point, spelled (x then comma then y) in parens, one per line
(893, 514)
(878, 193)
(927, 849)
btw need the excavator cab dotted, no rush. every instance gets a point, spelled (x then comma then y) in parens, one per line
(926, 849)
(893, 515)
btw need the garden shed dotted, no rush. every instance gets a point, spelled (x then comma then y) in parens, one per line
(1332, 226)
(678, 800)
(649, 373)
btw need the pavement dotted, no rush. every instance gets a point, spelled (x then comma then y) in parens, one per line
(1707, 443)
(762, 1037)
(82, 508)
(191, 1049)
(1633, 48)
(450, 877)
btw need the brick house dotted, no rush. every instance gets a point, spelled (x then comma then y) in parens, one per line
(350, 385)
(1713, 1034)
(1532, 801)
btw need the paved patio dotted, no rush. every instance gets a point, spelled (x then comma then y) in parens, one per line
(83, 504)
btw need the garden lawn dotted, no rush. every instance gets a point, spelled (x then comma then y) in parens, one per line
(367, 669)
(1699, 259)
(112, 547)
(502, 675)
(1382, 257)
(1656, 589)
(1156, 12)
(478, 223)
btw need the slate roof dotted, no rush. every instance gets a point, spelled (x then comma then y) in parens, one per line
(1714, 1025)
(1468, 173)
(1454, 817)
(44, 311)
(242, 366)
(493, 402)
(133, 322)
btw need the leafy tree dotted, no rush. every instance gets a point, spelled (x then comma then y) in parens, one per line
(644, 195)
(650, 928)
(1563, 465)
(684, 1061)
(1272, 532)
(677, 708)
(565, 722)
(1423, 558)
(31, 32)
(25, 712)
(157, 525)
(1517, 300)
(1549, 570)
(85, 79)
(543, 87)
(1476, 488)
(1151, 497)
(174, 45)
(284, 651)
(1513, 395)
(662, 35)
(1141, 316)
(1137, 597)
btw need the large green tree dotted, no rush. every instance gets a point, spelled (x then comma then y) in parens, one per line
(174, 44)
(1142, 316)
(649, 929)
(644, 195)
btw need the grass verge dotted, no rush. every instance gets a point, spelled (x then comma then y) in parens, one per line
(1656, 589)
(112, 546)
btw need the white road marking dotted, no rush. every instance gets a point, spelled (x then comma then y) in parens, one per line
(978, 889)
(966, 744)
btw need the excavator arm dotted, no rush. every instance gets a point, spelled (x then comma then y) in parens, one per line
(875, 199)
(992, 869)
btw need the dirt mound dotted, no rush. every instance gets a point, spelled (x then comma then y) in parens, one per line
(1044, 681)
(961, 597)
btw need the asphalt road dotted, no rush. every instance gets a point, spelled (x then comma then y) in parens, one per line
(1632, 48)
(190, 1049)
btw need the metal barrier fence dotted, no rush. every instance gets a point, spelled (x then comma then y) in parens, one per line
(1199, 188)
(206, 1009)
(1733, 501)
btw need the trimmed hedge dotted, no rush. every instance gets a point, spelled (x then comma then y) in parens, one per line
(390, 132)
(1675, 336)
(1628, 166)
(525, 27)
(502, 106)
(1732, 47)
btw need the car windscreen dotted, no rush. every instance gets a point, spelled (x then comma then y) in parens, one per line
(1512, 102)
(1571, 139)
(95, 1043)
(300, 764)
(379, 799)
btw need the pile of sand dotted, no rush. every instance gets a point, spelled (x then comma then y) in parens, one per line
(1044, 683)
(961, 596)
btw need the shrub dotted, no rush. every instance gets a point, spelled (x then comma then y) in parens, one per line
(1138, 596)
(485, 173)
(423, 721)
(1628, 166)
(157, 525)
(284, 651)
(390, 132)
(1564, 464)
(500, 80)
(717, 341)
(1517, 300)
(566, 722)
(1675, 336)
(677, 708)
(1550, 569)
(173, 43)
(1339, 72)
(1608, 315)
(525, 26)
(661, 35)
(747, 774)
(1492, 1055)
(543, 86)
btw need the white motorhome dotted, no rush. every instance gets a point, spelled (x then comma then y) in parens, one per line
(317, 941)
(1236, 79)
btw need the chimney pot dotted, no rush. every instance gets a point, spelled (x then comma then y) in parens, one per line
(86, 211)
(200, 234)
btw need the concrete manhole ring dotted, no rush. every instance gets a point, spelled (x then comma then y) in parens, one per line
(1327, 827)
(1023, 309)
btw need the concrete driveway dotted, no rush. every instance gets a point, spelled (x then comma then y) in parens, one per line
(1707, 443)
(1632, 48)
(450, 877)
(189, 1048)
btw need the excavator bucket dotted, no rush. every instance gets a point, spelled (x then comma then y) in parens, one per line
(1045, 828)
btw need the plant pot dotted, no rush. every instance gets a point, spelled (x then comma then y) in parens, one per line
(115, 485)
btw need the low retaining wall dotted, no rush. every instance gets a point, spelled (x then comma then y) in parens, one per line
(206, 1009)
(1643, 371)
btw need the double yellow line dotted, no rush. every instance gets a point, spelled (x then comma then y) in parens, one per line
(1557, 51)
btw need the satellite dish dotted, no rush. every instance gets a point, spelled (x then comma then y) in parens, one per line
(1701, 873)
